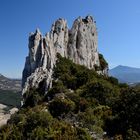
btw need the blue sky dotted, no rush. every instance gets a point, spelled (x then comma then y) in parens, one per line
(118, 23)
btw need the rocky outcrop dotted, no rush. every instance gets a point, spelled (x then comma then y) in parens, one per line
(78, 44)
(82, 47)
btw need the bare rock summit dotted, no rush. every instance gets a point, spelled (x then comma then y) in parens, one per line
(79, 44)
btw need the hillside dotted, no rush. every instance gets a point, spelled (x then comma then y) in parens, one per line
(10, 91)
(10, 84)
(81, 105)
(126, 74)
(67, 92)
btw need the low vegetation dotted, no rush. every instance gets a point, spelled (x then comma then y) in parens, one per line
(10, 98)
(81, 105)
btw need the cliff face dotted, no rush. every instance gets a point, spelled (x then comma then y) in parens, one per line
(78, 44)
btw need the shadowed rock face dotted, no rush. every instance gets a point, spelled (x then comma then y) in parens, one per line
(78, 44)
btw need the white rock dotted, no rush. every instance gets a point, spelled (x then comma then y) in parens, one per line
(13, 110)
(2, 106)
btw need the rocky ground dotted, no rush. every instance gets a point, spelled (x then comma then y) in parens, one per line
(5, 113)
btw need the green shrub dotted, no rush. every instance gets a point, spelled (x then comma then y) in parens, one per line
(32, 98)
(125, 111)
(79, 103)
(61, 106)
(58, 87)
(73, 76)
(113, 80)
(132, 135)
(82, 134)
(103, 63)
(102, 90)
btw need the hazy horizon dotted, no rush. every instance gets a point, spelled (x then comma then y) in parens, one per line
(117, 22)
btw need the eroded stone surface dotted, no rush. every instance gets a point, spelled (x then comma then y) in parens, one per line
(78, 44)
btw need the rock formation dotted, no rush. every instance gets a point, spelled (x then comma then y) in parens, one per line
(78, 44)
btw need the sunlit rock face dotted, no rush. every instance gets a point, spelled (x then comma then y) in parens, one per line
(78, 44)
(42, 55)
(82, 47)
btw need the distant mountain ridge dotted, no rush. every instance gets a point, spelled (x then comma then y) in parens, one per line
(126, 74)
(10, 84)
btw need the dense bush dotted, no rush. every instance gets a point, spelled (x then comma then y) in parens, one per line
(57, 88)
(103, 63)
(58, 106)
(93, 118)
(81, 105)
(73, 76)
(101, 90)
(37, 123)
(32, 98)
(126, 110)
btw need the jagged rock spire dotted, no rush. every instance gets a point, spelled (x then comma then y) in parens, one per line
(78, 44)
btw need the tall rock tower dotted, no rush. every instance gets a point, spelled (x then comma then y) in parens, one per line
(78, 44)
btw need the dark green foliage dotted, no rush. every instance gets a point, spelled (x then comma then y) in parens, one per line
(101, 90)
(58, 87)
(103, 63)
(10, 98)
(132, 135)
(126, 110)
(79, 104)
(33, 97)
(37, 123)
(113, 80)
(60, 106)
(82, 134)
(123, 85)
(73, 76)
